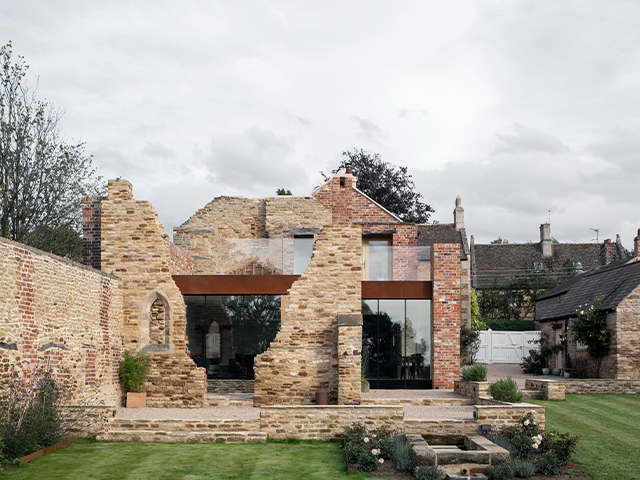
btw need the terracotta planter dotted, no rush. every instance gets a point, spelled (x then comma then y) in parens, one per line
(136, 400)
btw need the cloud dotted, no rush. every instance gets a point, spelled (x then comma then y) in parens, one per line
(529, 139)
(621, 147)
(156, 149)
(368, 130)
(297, 120)
(255, 160)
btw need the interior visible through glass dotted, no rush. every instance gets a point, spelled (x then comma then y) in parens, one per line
(226, 332)
(397, 334)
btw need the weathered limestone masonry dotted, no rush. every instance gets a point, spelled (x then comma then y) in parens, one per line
(325, 423)
(473, 390)
(289, 215)
(134, 248)
(445, 269)
(62, 314)
(305, 355)
(219, 236)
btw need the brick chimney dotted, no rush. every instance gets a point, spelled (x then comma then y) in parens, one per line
(607, 252)
(545, 240)
(458, 215)
(636, 245)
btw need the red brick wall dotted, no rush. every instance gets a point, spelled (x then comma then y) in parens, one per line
(180, 261)
(349, 205)
(91, 231)
(445, 272)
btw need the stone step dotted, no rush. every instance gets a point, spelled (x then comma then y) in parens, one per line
(179, 431)
(419, 402)
(182, 437)
(533, 394)
(235, 400)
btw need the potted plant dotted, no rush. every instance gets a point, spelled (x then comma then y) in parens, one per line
(547, 350)
(133, 371)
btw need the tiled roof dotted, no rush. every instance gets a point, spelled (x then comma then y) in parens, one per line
(430, 234)
(501, 263)
(612, 283)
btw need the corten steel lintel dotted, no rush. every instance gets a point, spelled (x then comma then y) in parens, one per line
(280, 284)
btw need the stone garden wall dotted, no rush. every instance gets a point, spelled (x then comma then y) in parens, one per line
(313, 348)
(57, 313)
(325, 423)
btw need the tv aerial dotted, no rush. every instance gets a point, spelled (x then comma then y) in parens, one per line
(595, 230)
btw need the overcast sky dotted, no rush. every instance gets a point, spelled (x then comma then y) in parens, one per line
(519, 107)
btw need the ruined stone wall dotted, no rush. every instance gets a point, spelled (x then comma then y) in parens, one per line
(285, 213)
(62, 314)
(208, 236)
(304, 355)
(135, 249)
(445, 264)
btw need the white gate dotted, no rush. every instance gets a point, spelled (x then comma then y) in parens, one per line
(506, 347)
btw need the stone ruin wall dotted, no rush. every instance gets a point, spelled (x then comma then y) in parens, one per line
(55, 312)
(136, 250)
(305, 354)
(219, 236)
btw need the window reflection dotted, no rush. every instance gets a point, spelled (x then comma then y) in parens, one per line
(226, 332)
(399, 333)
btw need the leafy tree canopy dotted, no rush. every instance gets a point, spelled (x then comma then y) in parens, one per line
(42, 178)
(389, 185)
(499, 240)
(282, 191)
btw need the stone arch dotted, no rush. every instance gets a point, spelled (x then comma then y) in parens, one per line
(155, 313)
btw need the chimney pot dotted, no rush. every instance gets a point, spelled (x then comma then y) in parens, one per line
(608, 240)
(349, 171)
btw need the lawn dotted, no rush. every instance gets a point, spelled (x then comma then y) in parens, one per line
(609, 429)
(166, 461)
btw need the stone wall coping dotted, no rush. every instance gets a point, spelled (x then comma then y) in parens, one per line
(329, 407)
(509, 405)
(58, 258)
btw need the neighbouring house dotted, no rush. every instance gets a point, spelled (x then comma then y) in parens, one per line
(272, 295)
(534, 266)
(618, 287)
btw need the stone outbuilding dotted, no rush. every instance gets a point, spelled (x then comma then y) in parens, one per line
(618, 287)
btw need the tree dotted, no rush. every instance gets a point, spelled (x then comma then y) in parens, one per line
(499, 240)
(389, 185)
(282, 191)
(590, 329)
(42, 178)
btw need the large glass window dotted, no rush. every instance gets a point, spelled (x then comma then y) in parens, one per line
(226, 332)
(377, 258)
(398, 336)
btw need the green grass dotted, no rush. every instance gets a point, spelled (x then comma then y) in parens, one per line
(165, 461)
(609, 429)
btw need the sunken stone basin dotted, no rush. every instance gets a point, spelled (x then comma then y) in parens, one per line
(455, 450)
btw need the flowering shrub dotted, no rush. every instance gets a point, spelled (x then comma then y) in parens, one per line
(36, 412)
(526, 442)
(133, 370)
(590, 328)
(367, 450)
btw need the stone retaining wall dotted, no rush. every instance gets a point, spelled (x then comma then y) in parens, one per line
(473, 390)
(597, 386)
(508, 414)
(325, 422)
(62, 314)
